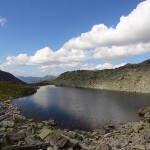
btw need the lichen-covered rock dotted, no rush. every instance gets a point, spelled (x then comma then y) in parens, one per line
(45, 133)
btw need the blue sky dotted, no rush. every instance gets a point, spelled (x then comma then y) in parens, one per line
(45, 37)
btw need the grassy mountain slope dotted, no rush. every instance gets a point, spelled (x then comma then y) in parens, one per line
(12, 87)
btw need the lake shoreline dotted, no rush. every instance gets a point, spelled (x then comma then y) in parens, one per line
(69, 107)
(18, 133)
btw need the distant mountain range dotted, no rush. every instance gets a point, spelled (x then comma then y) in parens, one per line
(5, 76)
(31, 79)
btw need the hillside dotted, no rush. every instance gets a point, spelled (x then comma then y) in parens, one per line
(12, 87)
(5, 76)
(31, 79)
(9, 90)
(131, 77)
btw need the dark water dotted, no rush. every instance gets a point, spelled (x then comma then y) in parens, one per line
(77, 108)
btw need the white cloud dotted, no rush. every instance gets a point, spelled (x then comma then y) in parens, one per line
(101, 66)
(131, 29)
(118, 52)
(129, 37)
(21, 59)
(2, 21)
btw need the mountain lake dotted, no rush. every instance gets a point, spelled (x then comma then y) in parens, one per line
(83, 109)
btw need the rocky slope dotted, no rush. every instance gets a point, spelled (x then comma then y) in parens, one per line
(131, 78)
(5, 76)
(19, 133)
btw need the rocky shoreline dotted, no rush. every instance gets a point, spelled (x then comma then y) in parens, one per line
(19, 133)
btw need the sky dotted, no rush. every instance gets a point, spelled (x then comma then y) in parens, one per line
(43, 37)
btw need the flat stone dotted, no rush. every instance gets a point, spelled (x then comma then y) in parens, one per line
(107, 135)
(62, 142)
(45, 133)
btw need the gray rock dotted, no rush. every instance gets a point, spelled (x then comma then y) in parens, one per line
(62, 143)
(30, 141)
(107, 135)
(6, 124)
(10, 130)
(50, 148)
(2, 117)
(13, 138)
(139, 147)
(23, 131)
(39, 125)
(144, 110)
(103, 146)
(147, 115)
(16, 116)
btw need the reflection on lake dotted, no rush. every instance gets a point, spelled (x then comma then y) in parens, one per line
(78, 108)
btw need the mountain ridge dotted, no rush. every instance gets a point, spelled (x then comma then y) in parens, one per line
(6, 76)
(130, 78)
(31, 79)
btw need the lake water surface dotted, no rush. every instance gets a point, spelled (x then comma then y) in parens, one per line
(78, 108)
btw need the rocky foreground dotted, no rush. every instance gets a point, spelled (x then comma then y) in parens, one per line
(19, 133)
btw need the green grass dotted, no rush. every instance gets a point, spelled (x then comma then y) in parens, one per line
(15, 90)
